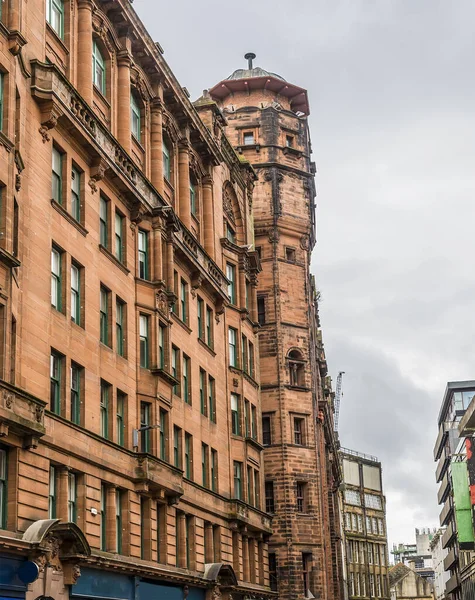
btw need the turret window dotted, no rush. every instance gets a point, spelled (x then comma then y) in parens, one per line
(296, 368)
(248, 138)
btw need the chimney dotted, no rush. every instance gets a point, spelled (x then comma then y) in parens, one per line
(250, 56)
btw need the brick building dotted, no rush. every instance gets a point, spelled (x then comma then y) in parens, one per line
(267, 125)
(130, 424)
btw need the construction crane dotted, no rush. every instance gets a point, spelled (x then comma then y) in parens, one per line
(338, 395)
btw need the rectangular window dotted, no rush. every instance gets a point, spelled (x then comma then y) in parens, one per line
(380, 527)
(166, 161)
(56, 361)
(120, 416)
(3, 487)
(183, 300)
(175, 308)
(103, 518)
(272, 571)
(118, 521)
(193, 199)
(105, 392)
(161, 346)
(2, 104)
(251, 359)
(76, 193)
(353, 522)
(300, 497)
(232, 336)
(214, 470)
(289, 141)
(163, 433)
(248, 138)
(266, 431)
(211, 399)
(188, 456)
(104, 316)
(253, 422)
(135, 118)
(209, 327)
(205, 465)
(120, 326)
(230, 234)
(75, 294)
(244, 358)
(103, 221)
(203, 404)
(56, 279)
(235, 416)
(55, 16)
(57, 176)
(76, 393)
(298, 431)
(231, 276)
(257, 490)
(98, 69)
(250, 498)
(145, 422)
(237, 468)
(144, 342)
(72, 498)
(143, 254)
(119, 242)
(368, 525)
(261, 310)
(360, 523)
(52, 493)
(269, 493)
(175, 368)
(200, 307)
(186, 380)
(176, 446)
(246, 418)
(306, 568)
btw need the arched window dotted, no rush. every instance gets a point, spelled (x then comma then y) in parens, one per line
(98, 69)
(296, 368)
(135, 117)
(55, 16)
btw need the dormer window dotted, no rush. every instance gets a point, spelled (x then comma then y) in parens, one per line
(248, 138)
(98, 69)
(55, 16)
(135, 118)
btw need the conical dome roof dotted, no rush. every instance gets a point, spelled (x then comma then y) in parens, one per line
(254, 72)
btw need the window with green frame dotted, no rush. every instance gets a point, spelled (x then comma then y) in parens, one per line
(231, 276)
(193, 207)
(211, 399)
(188, 456)
(72, 498)
(183, 301)
(3, 487)
(55, 16)
(176, 446)
(52, 493)
(203, 407)
(98, 68)
(120, 416)
(166, 161)
(57, 175)
(200, 311)
(204, 465)
(176, 369)
(75, 393)
(76, 193)
(145, 410)
(56, 279)
(163, 434)
(144, 341)
(120, 326)
(135, 117)
(56, 360)
(237, 468)
(75, 293)
(118, 521)
(104, 221)
(104, 315)
(161, 346)
(2, 85)
(186, 380)
(104, 408)
(119, 237)
(214, 470)
(209, 327)
(143, 254)
(235, 415)
(103, 540)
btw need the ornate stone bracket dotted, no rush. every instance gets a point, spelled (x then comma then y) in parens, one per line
(196, 281)
(97, 171)
(49, 121)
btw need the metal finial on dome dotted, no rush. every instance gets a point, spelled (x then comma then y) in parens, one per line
(250, 56)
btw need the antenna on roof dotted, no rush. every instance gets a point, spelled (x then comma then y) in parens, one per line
(250, 56)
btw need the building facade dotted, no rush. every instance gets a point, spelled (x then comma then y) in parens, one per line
(453, 494)
(406, 584)
(364, 518)
(131, 457)
(419, 554)
(267, 125)
(439, 554)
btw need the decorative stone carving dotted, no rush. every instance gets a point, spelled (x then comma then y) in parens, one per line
(97, 171)
(196, 282)
(39, 412)
(8, 399)
(161, 302)
(216, 593)
(274, 236)
(49, 122)
(304, 242)
(71, 572)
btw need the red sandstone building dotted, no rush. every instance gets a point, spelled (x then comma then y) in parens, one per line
(132, 239)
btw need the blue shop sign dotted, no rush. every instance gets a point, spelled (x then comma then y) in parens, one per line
(11, 586)
(103, 584)
(149, 590)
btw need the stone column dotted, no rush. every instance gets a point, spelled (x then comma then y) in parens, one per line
(184, 182)
(14, 15)
(181, 524)
(123, 100)
(242, 284)
(111, 525)
(208, 215)
(253, 300)
(156, 150)
(155, 251)
(245, 558)
(209, 554)
(236, 558)
(63, 494)
(84, 59)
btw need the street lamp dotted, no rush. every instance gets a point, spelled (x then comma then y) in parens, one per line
(135, 435)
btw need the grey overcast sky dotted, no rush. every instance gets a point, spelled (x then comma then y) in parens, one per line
(392, 96)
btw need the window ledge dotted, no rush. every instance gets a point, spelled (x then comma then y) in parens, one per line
(250, 379)
(235, 370)
(205, 345)
(101, 95)
(62, 211)
(111, 257)
(137, 142)
(180, 322)
(6, 142)
(56, 37)
(8, 259)
(102, 345)
(253, 442)
(299, 388)
(81, 327)
(168, 377)
(255, 147)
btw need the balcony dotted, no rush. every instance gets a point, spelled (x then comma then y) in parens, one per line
(452, 584)
(444, 462)
(21, 413)
(448, 536)
(440, 441)
(153, 475)
(446, 512)
(444, 489)
(450, 559)
(467, 424)
(251, 517)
